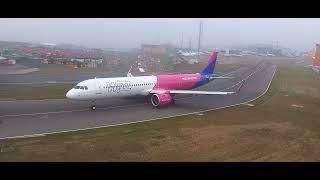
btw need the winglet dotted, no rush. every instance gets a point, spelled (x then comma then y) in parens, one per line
(129, 72)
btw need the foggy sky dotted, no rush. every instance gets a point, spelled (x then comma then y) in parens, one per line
(298, 34)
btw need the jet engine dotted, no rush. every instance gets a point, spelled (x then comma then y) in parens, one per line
(159, 100)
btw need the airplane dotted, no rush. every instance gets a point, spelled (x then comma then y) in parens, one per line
(161, 89)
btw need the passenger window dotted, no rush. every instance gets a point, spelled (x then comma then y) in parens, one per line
(81, 87)
(86, 88)
(77, 87)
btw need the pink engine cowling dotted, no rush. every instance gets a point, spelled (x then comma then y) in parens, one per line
(159, 100)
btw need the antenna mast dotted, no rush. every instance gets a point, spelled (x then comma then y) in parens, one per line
(199, 39)
(181, 45)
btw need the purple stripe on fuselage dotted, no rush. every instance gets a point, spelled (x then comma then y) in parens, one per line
(203, 80)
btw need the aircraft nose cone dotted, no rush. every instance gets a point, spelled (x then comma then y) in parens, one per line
(69, 94)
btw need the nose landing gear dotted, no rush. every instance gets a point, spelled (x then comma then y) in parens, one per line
(93, 107)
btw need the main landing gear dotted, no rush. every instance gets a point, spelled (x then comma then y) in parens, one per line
(173, 101)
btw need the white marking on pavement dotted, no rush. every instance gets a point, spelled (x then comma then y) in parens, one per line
(298, 106)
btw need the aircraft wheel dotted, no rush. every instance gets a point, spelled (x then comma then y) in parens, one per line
(93, 107)
(173, 101)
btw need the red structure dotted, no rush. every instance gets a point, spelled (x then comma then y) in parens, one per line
(317, 56)
(311, 55)
(60, 53)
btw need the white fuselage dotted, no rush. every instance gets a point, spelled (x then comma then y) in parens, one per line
(101, 88)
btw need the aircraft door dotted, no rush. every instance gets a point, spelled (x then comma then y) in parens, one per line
(99, 90)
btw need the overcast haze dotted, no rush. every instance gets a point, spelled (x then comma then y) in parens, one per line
(298, 34)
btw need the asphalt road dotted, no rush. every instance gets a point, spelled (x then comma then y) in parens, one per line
(21, 118)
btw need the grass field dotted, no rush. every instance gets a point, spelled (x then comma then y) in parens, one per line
(65, 69)
(124, 69)
(44, 92)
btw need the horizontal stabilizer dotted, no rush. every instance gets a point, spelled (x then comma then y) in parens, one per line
(220, 77)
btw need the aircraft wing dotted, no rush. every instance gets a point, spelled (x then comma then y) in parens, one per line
(190, 92)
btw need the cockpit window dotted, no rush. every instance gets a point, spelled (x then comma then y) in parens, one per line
(81, 87)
